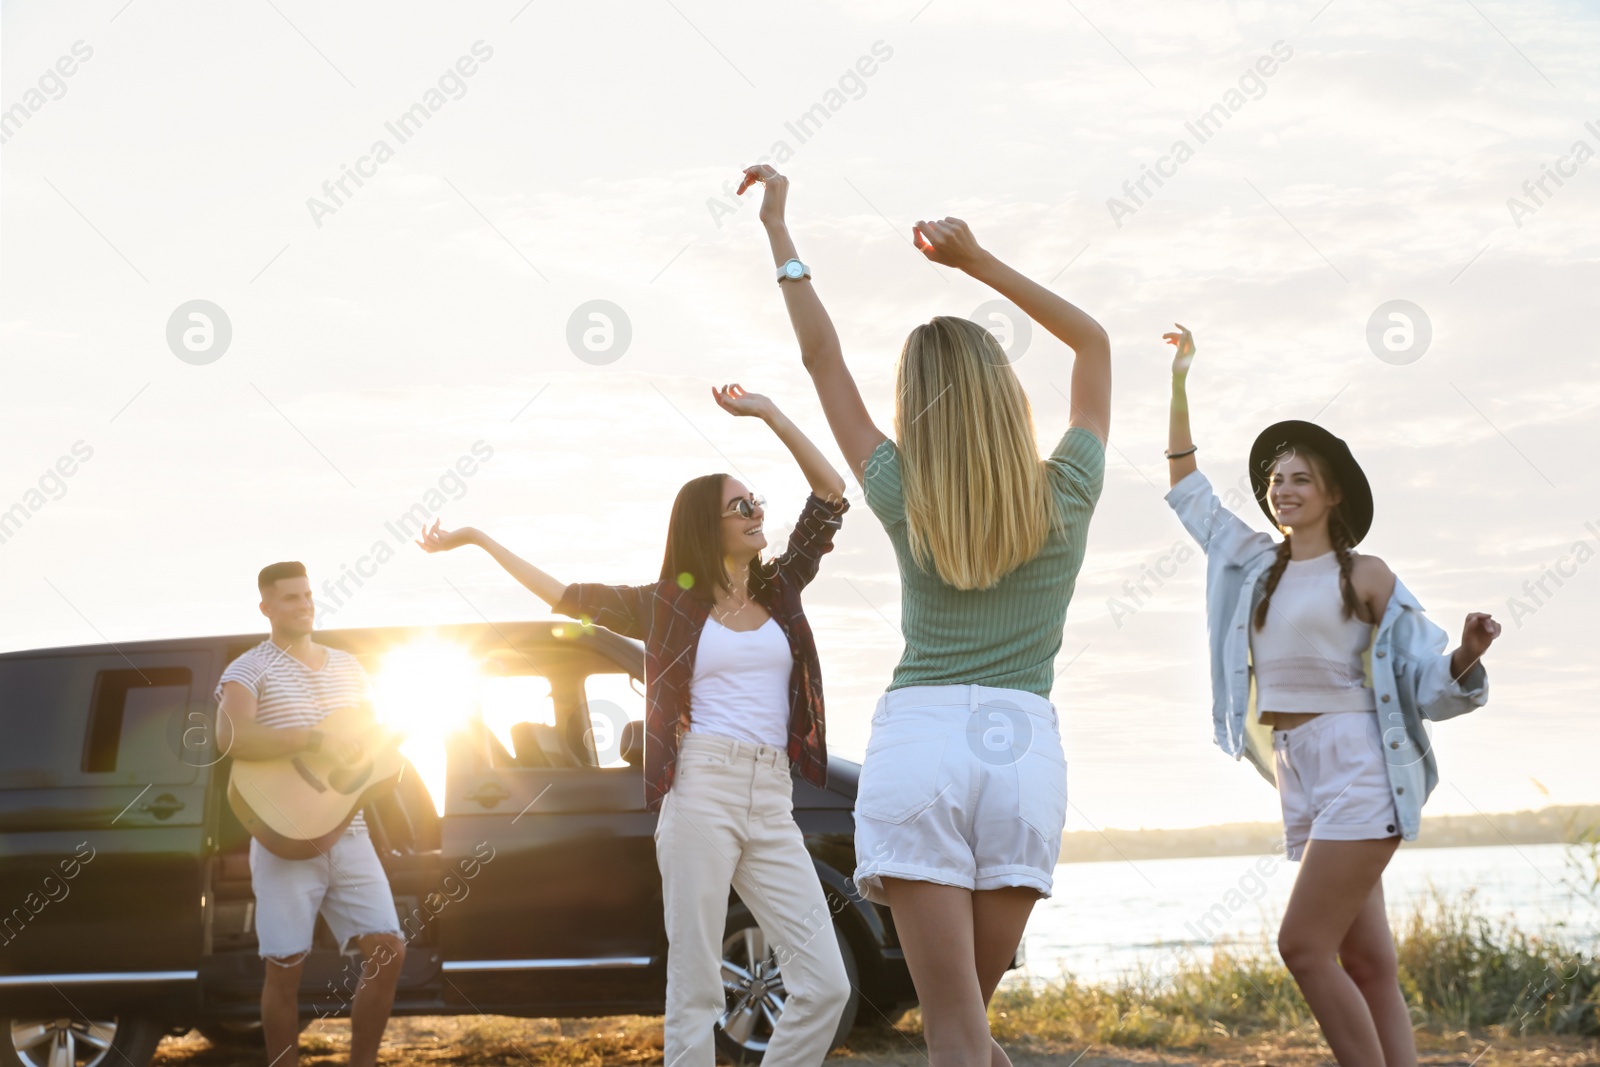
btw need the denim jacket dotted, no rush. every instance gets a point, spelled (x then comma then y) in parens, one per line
(1406, 664)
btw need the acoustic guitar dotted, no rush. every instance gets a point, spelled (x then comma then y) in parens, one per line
(298, 805)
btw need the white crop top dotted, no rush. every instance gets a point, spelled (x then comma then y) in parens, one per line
(1307, 658)
(740, 687)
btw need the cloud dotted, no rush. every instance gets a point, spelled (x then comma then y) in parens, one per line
(433, 308)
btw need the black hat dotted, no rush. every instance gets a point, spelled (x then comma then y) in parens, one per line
(1280, 437)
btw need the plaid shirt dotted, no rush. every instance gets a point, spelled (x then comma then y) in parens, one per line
(669, 620)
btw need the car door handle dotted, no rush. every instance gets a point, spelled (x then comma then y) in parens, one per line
(489, 793)
(163, 806)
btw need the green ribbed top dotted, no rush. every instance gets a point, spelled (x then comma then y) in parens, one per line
(1007, 635)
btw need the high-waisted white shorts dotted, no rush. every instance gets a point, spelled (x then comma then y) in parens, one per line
(1333, 781)
(964, 785)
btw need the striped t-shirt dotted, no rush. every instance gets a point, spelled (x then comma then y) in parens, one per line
(289, 694)
(1006, 636)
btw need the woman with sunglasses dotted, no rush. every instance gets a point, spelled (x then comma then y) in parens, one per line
(963, 791)
(733, 700)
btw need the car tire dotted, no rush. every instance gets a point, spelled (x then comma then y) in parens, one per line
(113, 1042)
(746, 1024)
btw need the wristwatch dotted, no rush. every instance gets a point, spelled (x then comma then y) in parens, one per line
(793, 271)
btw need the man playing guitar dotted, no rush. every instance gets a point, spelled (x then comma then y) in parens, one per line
(273, 698)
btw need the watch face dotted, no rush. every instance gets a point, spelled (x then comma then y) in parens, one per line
(794, 269)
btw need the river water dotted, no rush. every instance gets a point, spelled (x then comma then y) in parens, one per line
(1113, 918)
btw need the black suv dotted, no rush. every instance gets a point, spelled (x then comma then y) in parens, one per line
(126, 910)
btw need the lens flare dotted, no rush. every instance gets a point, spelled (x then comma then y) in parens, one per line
(426, 690)
(516, 698)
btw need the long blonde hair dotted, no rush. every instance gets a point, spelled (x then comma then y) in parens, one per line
(977, 501)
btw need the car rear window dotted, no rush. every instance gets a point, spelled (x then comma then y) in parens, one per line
(94, 720)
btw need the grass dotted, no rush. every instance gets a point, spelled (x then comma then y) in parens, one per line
(1460, 971)
(1230, 995)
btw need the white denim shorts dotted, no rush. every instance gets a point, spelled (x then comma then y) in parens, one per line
(964, 785)
(347, 885)
(1333, 781)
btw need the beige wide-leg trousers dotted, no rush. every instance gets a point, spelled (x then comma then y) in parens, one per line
(729, 820)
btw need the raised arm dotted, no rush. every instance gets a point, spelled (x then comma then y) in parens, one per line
(1180, 443)
(951, 243)
(537, 581)
(852, 426)
(1209, 521)
(823, 479)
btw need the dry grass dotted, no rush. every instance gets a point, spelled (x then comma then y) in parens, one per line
(496, 1041)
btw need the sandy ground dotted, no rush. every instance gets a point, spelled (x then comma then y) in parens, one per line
(495, 1041)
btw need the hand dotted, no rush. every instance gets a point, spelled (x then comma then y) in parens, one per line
(437, 540)
(735, 401)
(1477, 634)
(1184, 343)
(346, 748)
(949, 242)
(776, 195)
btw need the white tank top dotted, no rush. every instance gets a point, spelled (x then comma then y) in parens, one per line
(1307, 658)
(740, 687)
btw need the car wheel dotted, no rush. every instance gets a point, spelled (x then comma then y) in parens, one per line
(753, 983)
(69, 1042)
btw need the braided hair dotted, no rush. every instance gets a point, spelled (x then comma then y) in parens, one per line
(1338, 532)
(1280, 563)
(1343, 542)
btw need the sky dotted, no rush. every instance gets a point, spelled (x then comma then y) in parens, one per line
(422, 336)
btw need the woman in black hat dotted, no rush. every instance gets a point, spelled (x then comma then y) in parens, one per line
(1323, 671)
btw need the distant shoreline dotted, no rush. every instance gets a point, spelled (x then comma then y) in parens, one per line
(1558, 824)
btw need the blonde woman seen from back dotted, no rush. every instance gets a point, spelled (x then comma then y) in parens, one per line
(962, 793)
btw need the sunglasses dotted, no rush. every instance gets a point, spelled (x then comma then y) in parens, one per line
(745, 506)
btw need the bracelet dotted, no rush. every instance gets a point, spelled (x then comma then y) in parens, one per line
(1186, 452)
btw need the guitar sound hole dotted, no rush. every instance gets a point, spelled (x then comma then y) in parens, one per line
(348, 780)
